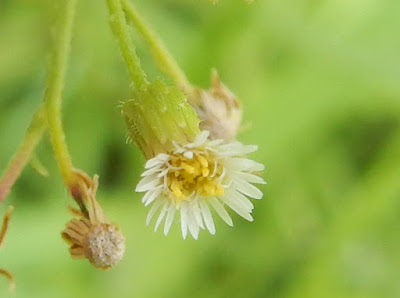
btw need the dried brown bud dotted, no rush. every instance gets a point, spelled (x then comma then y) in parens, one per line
(219, 110)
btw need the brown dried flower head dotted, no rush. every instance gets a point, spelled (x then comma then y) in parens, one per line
(90, 235)
(219, 110)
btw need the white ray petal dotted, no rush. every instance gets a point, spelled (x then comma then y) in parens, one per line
(152, 171)
(246, 149)
(208, 220)
(221, 211)
(248, 177)
(148, 183)
(236, 149)
(150, 193)
(247, 189)
(153, 210)
(214, 143)
(192, 224)
(159, 159)
(241, 199)
(197, 214)
(163, 173)
(199, 140)
(146, 180)
(239, 209)
(154, 195)
(162, 214)
(169, 219)
(184, 220)
(244, 165)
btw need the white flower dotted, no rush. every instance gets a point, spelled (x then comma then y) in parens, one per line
(199, 175)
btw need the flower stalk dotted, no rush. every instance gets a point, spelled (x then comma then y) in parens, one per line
(21, 158)
(55, 85)
(49, 114)
(163, 57)
(121, 32)
(90, 236)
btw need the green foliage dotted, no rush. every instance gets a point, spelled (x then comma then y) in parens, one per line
(319, 83)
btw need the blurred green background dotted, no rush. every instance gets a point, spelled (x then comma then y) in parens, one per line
(319, 81)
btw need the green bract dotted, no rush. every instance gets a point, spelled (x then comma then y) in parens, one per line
(158, 115)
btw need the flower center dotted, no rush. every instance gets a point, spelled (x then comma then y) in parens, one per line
(194, 173)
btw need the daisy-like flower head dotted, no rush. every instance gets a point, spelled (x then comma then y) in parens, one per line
(195, 178)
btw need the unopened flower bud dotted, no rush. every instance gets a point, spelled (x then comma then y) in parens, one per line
(158, 115)
(219, 110)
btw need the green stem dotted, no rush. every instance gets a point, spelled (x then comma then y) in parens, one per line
(55, 84)
(163, 57)
(121, 32)
(51, 107)
(23, 155)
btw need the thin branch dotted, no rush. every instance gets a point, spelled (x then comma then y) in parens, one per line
(55, 85)
(121, 32)
(163, 57)
(21, 158)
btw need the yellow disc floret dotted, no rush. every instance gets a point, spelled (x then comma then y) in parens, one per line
(194, 173)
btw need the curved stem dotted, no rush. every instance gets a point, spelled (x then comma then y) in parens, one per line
(23, 155)
(51, 109)
(55, 84)
(10, 277)
(163, 57)
(6, 223)
(3, 232)
(121, 32)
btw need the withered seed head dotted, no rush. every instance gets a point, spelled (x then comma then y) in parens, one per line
(90, 235)
(102, 244)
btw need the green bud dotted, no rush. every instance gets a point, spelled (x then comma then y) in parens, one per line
(159, 115)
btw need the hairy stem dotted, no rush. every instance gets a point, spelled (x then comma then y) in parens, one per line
(121, 32)
(163, 57)
(55, 84)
